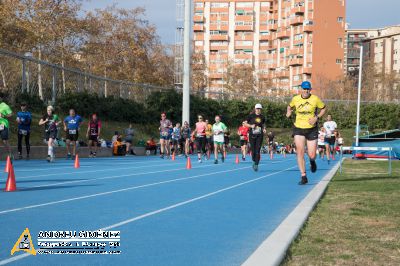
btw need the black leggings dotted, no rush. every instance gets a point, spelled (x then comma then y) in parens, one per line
(255, 146)
(27, 144)
(201, 144)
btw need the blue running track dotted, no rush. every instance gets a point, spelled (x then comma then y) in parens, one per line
(167, 215)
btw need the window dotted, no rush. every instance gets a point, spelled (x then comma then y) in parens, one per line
(244, 4)
(338, 61)
(198, 43)
(198, 4)
(219, 5)
(340, 19)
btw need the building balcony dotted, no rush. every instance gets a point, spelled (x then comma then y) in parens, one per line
(272, 66)
(243, 56)
(296, 51)
(265, 76)
(197, 27)
(282, 74)
(244, 27)
(244, 18)
(219, 37)
(296, 61)
(297, 20)
(219, 27)
(308, 28)
(307, 70)
(299, 9)
(297, 42)
(266, 37)
(216, 75)
(272, 27)
(283, 34)
(244, 37)
(198, 18)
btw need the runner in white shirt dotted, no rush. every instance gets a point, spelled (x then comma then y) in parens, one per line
(321, 143)
(330, 127)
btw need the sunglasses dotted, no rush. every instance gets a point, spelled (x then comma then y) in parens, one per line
(200, 118)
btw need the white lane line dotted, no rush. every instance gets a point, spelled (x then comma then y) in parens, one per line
(116, 191)
(91, 171)
(2, 262)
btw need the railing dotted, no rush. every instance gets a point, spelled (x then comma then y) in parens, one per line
(49, 81)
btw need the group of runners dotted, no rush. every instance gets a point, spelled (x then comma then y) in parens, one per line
(208, 137)
(51, 123)
(309, 110)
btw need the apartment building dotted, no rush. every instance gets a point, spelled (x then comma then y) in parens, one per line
(283, 41)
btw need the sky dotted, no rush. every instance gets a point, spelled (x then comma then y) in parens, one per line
(161, 13)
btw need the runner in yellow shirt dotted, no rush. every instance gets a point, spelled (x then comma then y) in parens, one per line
(305, 129)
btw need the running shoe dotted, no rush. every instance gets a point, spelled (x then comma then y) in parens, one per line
(162, 156)
(243, 159)
(27, 156)
(200, 161)
(313, 165)
(52, 159)
(329, 161)
(216, 162)
(48, 158)
(19, 156)
(94, 155)
(255, 167)
(91, 155)
(68, 156)
(303, 180)
(222, 159)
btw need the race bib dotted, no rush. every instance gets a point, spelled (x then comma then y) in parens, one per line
(72, 131)
(242, 138)
(164, 134)
(257, 130)
(1, 127)
(23, 132)
(200, 136)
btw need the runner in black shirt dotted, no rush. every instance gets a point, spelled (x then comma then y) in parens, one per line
(256, 123)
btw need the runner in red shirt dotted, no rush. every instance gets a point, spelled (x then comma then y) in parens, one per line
(243, 133)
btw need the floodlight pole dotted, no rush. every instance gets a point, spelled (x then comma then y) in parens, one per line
(186, 63)
(359, 96)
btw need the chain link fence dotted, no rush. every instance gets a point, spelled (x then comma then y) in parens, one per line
(25, 74)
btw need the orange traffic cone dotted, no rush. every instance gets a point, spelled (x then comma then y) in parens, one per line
(237, 159)
(77, 164)
(8, 165)
(188, 163)
(173, 156)
(11, 185)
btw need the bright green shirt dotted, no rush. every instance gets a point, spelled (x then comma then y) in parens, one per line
(4, 110)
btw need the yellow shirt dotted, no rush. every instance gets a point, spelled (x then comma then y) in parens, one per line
(305, 109)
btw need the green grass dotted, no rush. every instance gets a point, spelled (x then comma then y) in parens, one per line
(357, 222)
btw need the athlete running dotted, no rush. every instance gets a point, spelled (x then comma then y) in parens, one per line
(321, 143)
(271, 144)
(243, 133)
(165, 126)
(176, 136)
(93, 134)
(306, 126)
(72, 125)
(185, 140)
(256, 123)
(219, 130)
(200, 134)
(5, 113)
(50, 122)
(330, 139)
(209, 137)
(24, 119)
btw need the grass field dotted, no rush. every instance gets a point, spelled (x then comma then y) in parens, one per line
(357, 222)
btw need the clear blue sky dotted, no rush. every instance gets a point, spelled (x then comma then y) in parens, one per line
(360, 13)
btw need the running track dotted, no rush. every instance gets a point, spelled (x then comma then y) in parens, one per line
(167, 215)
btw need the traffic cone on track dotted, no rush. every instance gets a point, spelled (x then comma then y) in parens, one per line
(237, 159)
(8, 164)
(77, 164)
(11, 184)
(188, 163)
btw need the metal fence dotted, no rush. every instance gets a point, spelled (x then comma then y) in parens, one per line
(49, 81)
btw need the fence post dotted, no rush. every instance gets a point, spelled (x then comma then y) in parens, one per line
(53, 91)
(23, 87)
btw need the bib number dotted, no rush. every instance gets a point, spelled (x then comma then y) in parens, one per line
(242, 138)
(257, 130)
(1, 127)
(200, 136)
(164, 134)
(72, 131)
(23, 132)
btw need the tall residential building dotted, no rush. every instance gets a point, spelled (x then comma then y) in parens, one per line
(281, 41)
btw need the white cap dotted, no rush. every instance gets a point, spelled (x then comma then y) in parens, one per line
(258, 106)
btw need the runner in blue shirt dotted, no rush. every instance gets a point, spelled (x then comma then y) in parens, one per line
(72, 124)
(24, 119)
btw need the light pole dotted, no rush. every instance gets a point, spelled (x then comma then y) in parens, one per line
(359, 96)
(186, 64)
